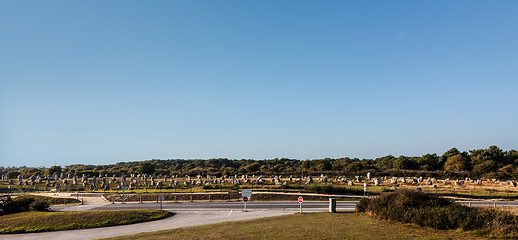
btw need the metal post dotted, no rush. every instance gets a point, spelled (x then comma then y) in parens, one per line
(300, 211)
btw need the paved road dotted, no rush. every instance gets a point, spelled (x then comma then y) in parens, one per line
(310, 206)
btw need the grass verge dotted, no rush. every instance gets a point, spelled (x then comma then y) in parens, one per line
(54, 221)
(305, 226)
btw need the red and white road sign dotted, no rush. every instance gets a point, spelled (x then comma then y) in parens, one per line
(245, 199)
(301, 200)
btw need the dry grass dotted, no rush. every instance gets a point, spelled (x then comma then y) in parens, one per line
(306, 226)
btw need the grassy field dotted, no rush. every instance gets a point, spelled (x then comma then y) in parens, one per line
(305, 226)
(55, 221)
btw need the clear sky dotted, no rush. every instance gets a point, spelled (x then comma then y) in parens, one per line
(100, 82)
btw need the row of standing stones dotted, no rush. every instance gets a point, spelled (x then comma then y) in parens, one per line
(136, 181)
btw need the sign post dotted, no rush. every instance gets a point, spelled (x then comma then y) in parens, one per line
(245, 199)
(160, 198)
(300, 203)
(364, 189)
(246, 194)
(123, 195)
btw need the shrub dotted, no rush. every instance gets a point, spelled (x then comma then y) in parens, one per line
(427, 210)
(39, 205)
(24, 204)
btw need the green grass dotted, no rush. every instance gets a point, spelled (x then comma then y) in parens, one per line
(55, 221)
(305, 226)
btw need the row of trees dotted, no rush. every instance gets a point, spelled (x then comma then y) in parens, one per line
(492, 162)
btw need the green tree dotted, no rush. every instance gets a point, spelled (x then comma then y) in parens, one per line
(54, 169)
(457, 163)
(146, 168)
(450, 153)
(355, 166)
(13, 174)
(254, 167)
(403, 162)
(386, 162)
(429, 162)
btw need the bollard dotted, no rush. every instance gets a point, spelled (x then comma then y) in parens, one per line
(332, 205)
(65, 201)
(469, 204)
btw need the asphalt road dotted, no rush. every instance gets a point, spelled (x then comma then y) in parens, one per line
(312, 206)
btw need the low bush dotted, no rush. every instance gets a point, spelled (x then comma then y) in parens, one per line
(423, 209)
(23, 204)
(39, 205)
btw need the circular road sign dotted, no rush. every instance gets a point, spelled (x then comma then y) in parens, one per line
(245, 199)
(301, 199)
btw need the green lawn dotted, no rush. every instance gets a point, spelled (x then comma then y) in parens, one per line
(54, 221)
(306, 226)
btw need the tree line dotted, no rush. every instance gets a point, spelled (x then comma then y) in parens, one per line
(488, 163)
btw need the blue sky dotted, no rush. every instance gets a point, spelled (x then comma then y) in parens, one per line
(100, 82)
